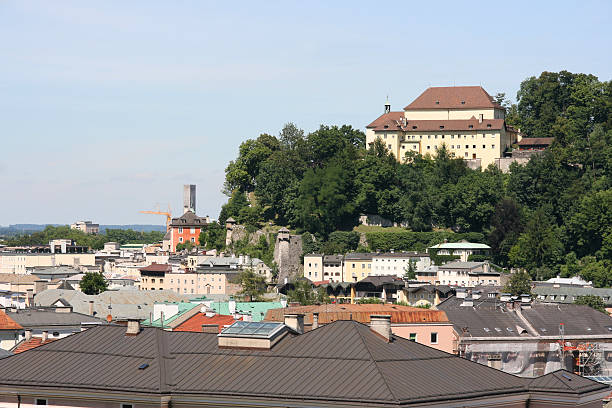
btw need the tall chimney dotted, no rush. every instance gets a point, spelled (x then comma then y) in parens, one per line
(133, 327)
(315, 320)
(295, 321)
(381, 324)
(28, 334)
(45, 335)
(91, 308)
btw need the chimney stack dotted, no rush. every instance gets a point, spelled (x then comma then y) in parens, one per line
(295, 321)
(210, 328)
(133, 327)
(91, 308)
(315, 320)
(480, 117)
(381, 324)
(28, 334)
(45, 335)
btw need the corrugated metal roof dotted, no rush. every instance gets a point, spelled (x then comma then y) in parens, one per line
(343, 361)
(360, 313)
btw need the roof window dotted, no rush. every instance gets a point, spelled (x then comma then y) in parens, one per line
(488, 125)
(543, 329)
(471, 126)
(437, 102)
(414, 126)
(463, 102)
(386, 126)
(441, 126)
(497, 329)
(487, 329)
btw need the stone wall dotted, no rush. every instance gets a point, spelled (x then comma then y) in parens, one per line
(287, 254)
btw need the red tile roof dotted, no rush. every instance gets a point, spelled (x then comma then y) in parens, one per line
(30, 344)
(6, 323)
(194, 324)
(453, 97)
(391, 122)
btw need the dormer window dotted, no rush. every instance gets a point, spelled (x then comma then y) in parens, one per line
(463, 102)
(441, 126)
(488, 125)
(437, 102)
(386, 126)
(414, 126)
(471, 126)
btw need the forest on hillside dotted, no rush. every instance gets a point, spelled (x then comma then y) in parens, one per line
(551, 216)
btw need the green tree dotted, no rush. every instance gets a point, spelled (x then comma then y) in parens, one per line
(593, 301)
(410, 272)
(93, 283)
(506, 226)
(370, 300)
(213, 236)
(184, 246)
(234, 205)
(304, 294)
(518, 284)
(241, 173)
(590, 222)
(539, 245)
(253, 285)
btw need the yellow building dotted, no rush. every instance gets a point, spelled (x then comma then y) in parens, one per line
(464, 118)
(357, 266)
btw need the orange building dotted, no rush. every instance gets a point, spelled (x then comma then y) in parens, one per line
(186, 228)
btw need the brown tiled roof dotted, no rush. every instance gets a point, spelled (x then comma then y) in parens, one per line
(15, 278)
(373, 372)
(451, 97)
(6, 323)
(189, 219)
(155, 267)
(389, 119)
(528, 141)
(30, 344)
(435, 125)
(360, 313)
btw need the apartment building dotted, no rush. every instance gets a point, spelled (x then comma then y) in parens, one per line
(468, 274)
(397, 263)
(318, 267)
(186, 228)
(357, 266)
(464, 118)
(21, 260)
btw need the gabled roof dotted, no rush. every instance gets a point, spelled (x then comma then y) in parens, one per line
(6, 323)
(389, 123)
(155, 267)
(529, 141)
(189, 219)
(453, 97)
(65, 285)
(374, 371)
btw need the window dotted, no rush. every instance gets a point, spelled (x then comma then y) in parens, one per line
(127, 406)
(403, 146)
(463, 102)
(161, 281)
(441, 126)
(488, 125)
(429, 136)
(180, 230)
(433, 338)
(466, 155)
(389, 147)
(467, 146)
(193, 239)
(492, 146)
(192, 230)
(41, 401)
(412, 337)
(470, 126)
(452, 146)
(427, 147)
(153, 280)
(180, 239)
(385, 135)
(473, 146)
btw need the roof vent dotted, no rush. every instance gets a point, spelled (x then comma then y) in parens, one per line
(251, 335)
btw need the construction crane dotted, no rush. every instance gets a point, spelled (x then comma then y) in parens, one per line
(168, 215)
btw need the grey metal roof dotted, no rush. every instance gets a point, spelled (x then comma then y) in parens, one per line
(461, 265)
(30, 318)
(560, 293)
(373, 370)
(359, 256)
(124, 303)
(576, 319)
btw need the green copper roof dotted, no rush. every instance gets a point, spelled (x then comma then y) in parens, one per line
(257, 310)
(183, 307)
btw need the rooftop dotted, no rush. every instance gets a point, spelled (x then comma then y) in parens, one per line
(194, 324)
(453, 97)
(7, 323)
(374, 372)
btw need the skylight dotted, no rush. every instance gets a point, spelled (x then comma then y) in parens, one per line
(497, 329)
(252, 329)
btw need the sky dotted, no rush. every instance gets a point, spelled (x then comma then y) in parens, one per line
(109, 107)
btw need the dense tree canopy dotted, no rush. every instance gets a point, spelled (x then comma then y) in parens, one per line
(549, 216)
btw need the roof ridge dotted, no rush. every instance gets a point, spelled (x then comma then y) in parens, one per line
(384, 379)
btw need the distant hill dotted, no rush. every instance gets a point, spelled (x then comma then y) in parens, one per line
(15, 229)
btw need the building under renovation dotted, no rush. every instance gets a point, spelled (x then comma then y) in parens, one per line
(527, 338)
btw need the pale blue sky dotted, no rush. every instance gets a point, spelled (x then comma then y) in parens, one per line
(109, 107)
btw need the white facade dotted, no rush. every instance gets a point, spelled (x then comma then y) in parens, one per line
(313, 267)
(398, 263)
(461, 249)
